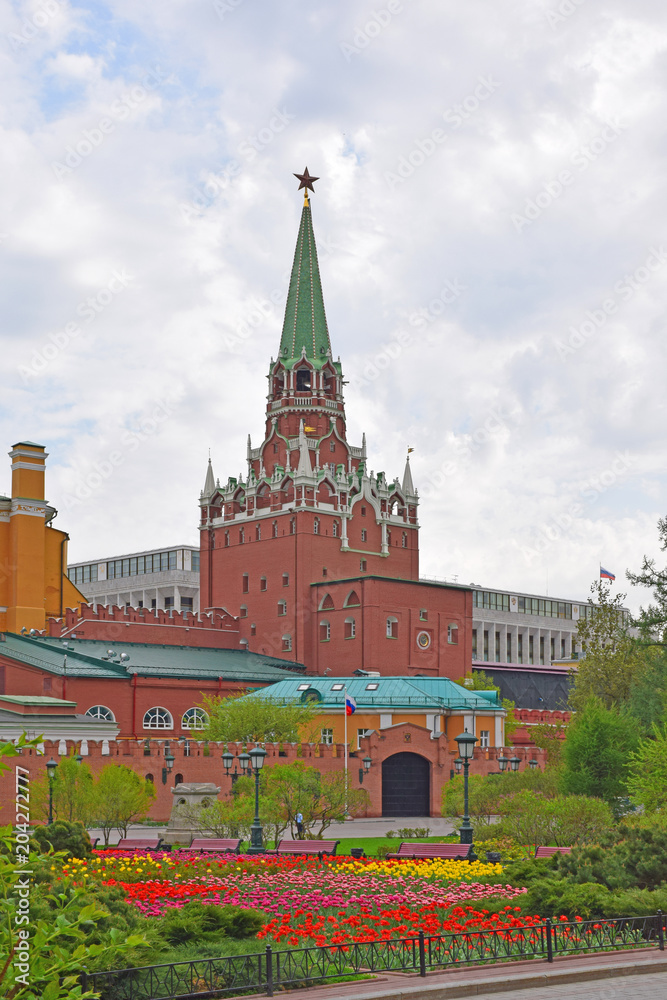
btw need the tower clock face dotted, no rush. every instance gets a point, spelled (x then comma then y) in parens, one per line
(423, 640)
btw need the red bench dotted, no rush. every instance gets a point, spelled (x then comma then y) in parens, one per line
(138, 844)
(208, 844)
(548, 852)
(456, 852)
(318, 847)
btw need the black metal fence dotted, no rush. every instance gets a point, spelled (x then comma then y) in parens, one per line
(269, 970)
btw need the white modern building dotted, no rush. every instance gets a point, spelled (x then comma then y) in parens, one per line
(166, 579)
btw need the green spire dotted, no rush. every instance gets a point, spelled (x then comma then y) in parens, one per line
(305, 324)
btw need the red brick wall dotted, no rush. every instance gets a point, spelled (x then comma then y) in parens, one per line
(202, 767)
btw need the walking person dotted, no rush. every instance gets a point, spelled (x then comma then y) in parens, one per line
(298, 819)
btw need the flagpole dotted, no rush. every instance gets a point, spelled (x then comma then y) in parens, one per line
(345, 715)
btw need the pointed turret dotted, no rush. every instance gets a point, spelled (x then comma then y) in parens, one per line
(209, 485)
(305, 332)
(408, 487)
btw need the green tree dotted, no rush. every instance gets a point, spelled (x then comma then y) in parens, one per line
(597, 752)
(121, 797)
(647, 780)
(612, 656)
(72, 792)
(240, 719)
(550, 737)
(652, 620)
(479, 681)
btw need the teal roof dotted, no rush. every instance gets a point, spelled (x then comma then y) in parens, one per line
(305, 328)
(428, 693)
(85, 659)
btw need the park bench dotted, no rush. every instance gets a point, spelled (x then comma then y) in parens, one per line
(318, 847)
(138, 844)
(547, 852)
(208, 844)
(455, 852)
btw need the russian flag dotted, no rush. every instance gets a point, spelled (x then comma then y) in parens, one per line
(350, 705)
(606, 575)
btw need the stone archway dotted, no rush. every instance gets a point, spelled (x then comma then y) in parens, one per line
(406, 783)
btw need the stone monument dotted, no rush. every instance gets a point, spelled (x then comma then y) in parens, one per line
(188, 795)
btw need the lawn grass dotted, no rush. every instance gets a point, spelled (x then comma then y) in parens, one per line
(371, 844)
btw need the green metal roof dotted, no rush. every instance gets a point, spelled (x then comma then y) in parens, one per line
(37, 700)
(305, 324)
(85, 659)
(427, 693)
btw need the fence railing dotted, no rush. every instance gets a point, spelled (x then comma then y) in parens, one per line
(267, 971)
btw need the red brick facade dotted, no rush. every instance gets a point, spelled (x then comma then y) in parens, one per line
(198, 765)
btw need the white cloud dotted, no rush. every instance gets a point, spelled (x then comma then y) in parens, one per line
(191, 194)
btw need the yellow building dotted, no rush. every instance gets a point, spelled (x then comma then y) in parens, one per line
(33, 554)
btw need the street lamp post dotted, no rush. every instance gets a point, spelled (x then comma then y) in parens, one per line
(257, 755)
(51, 766)
(168, 762)
(532, 764)
(466, 742)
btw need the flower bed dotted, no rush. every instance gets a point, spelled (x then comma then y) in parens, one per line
(308, 901)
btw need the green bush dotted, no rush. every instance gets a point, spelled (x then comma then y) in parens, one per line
(63, 836)
(528, 870)
(206, 922)
(559, 897)
(632, 857)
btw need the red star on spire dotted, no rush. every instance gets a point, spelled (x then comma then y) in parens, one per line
(307, 180)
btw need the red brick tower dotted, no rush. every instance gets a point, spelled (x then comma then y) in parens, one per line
(308, 511)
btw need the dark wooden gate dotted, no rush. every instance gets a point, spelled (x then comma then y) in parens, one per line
(406, 785)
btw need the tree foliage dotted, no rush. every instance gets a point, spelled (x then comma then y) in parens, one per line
(240, 719)
(612, 656)
(652, 620)
(121, 797)
(597, 752)
(647, 780)
(71, 789)
(479, 681)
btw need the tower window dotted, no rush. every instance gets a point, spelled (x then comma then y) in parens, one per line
(243, 612)
(332, 446)
(262, 583)
(364, 535)
(245, 586)
(334, 529)
(287, 643)
(285, 579)
(282, 607)
(292, 525)
(363, 512)
(362, 565)
(325, 630)
(392, 627)
(226, 538)
(303, 380)
(350, 628)
(316, 526)
(241, 536)
(423, 615)
(274, 529)
(404, 540)
(258, 532)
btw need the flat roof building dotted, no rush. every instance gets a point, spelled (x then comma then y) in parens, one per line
(161, 579)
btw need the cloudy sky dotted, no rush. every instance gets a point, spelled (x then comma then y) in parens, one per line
(491, 226)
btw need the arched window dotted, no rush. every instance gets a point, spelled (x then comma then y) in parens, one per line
(292, 525)
(282, 607)
(287, 643)
(303, 380)
(243, 611)
(262, 583)
(101, 712)
(332, 445)
(194, 718)
(149, 777)
(392, 627)
(350, 628)
(325, 630)
(316, 526)
(404, 541)
(334, 529)
(178, 780)
(158, 718)
(274, 529)
(258, 533)
(352, 600)
(226, 539)
(241, 536)
(285, 579)
(245, 583)
(388, 537)
(327, 604)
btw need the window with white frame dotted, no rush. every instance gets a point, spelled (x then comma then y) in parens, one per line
(101, 712)
(364, 535)
(158, 718)
(484, 738)
(326, 737)
(361, 734)
(316, 526)
(287, 643)
(453, 633)
(350, 628)
(392, 627)
(282, 607)
(325, 630)
(194, 718)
